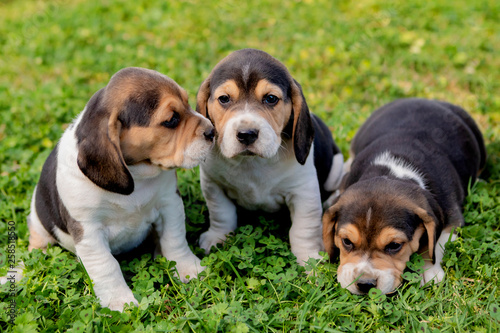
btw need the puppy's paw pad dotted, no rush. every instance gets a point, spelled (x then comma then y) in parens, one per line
(211, 238)
(435, 273)
(188, 269)
(118, 303)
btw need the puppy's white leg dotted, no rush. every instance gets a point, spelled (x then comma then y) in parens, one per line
(329, 202)
(334, 179)
(348, 163)
(306, 232)
(223, 218)
(435, 271)
(172, 232)
(109, 285)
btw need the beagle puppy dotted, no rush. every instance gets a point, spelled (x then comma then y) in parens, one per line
(270, 150)
(111, 179)
(413, 161)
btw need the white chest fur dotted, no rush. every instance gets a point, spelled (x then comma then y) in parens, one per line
(257, 183)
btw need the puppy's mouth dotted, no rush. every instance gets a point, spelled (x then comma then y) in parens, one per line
(247, 152)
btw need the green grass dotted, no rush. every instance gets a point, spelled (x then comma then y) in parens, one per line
(349, 57)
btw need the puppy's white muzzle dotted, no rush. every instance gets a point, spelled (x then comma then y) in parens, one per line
(359, 278)
(249, 134)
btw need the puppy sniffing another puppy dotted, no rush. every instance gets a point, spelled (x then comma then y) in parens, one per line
(413, 161)
(111, 179)
(270, 150)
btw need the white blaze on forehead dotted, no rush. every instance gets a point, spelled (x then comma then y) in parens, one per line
(368, 217)
(400, 168)
(246, 72)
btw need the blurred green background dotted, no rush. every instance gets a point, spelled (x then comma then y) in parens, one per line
(349, 56)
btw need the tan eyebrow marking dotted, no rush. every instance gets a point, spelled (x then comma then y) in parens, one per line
(389, 234)
(228, 88)
(265, 87)
(352, 233)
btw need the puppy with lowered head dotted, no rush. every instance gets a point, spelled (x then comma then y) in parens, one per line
(413, 161)
(270, 150)
(111, 179)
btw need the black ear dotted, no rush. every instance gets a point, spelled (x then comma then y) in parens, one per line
(99, 154)
(330, 218)
(202, 98)
(303, 130)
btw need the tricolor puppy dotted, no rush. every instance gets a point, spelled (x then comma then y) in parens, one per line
(413, 161)
(111, 179)
(270, 150)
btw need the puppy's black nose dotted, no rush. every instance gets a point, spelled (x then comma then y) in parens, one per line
(209, 134)
(247, 137)
(364, 285)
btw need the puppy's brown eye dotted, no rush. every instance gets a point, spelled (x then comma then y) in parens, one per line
(347, 244)
(173, 122)
(393, 247)
(224, 99)
(270, 100)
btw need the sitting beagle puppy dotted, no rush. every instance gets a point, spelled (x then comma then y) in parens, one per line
(111, 178)
(412, 163)
(270, 150)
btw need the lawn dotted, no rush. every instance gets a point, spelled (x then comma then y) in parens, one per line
(350, 58)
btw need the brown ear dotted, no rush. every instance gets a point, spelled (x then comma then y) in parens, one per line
(330, 218)
(431, 224)
(202, 98)
(303, 130)
(99, 154)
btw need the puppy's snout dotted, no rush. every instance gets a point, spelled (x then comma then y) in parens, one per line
(364, 285)
(209, 134)
(247, 137)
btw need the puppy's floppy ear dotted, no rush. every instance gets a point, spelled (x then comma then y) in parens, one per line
(303, 130)
(432, 226)
(202, 98)
(99, 153)
(330, 218)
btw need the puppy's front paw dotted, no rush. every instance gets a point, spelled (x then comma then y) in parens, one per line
(303, 257)
(188, 269)
(211, 238)
(434, 272)
(117, 300)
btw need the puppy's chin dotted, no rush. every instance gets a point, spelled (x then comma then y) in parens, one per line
(144, 169)
(187, 163)
(247, 153)
(196, 153)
